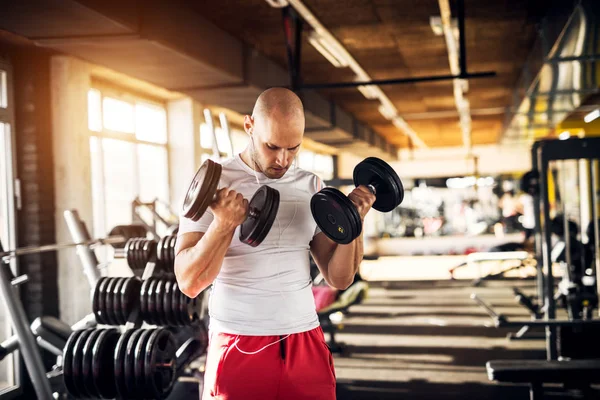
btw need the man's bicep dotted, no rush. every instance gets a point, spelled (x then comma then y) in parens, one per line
(187, 240)
(321, 249)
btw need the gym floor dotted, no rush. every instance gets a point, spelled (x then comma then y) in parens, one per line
(424, 338)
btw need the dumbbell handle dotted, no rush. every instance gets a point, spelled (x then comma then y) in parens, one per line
(253, 212)
(373, 188)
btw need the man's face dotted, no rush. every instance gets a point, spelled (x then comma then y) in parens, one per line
(275, 142)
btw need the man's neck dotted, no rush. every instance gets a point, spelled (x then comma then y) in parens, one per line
(247, 159)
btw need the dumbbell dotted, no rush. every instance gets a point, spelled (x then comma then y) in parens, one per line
(263, 206)
(338, 217)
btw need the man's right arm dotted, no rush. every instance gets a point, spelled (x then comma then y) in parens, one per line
(199, 257)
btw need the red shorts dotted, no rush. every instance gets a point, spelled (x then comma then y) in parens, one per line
(296, 368)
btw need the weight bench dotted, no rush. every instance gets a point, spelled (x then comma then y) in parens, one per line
(524, 258)
(576, 373)
(331, 324)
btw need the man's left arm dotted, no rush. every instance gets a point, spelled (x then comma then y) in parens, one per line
(339, 262)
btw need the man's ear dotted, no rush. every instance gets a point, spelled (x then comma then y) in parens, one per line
(248, 124)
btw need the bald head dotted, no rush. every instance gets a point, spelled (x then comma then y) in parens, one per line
(276, 130)
(278, 102)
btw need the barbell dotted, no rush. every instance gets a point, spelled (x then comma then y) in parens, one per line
(109, 240)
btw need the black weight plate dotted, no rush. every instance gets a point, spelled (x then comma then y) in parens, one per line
(68, 352)
(138, 254)
(130, 383)
(144, 298)
(129, 251)
(130, 296)
(103, 365)
(168, 303)
(159, 246)
(119, 356)
(335, 215)
(102, 301)
(96, 301)
(134, 254)
(140, 358)
(152, 313)
(176, 304)
(202, 189)
(159, 294)
(78, 363)
(171, 252)
(117, 301)
(160, 363)
(186, 309)
(86, 365)
(376, 172)
(109, 308)
(255, 228)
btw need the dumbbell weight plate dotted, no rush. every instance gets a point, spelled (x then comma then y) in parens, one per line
(144, 298)
(102, 301)
(130, 382)
(117, 301)
(120, 354)
(336, 215)
(176, 304)
(160, 363)
(108, 302)
(86, 364)
(96, 301)
(202, 190)
(152, 312)
(77, 363)
(168, 303)
(102, 363)
(390, 191)
(68, 353)
(171, 252)
(159, 294)
(129, 252)
(130, 296)
(255, 228)
(140, 358)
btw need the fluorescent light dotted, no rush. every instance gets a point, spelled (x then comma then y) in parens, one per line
(327, 50)
(387, 112)
(565, 135)
(369, 91)
(592, 116)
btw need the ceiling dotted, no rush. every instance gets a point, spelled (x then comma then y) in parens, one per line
(393, 39)
(226, 52)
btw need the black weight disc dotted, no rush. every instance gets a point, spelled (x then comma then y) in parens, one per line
(117, 301)
(336, 215)
(129, 252)
(376, 172)
(140, 358)
(152, 312)
(102, 301)
(68, 352)
(138, 255)
(159, 249)
(530, 182)
(130, 296)
(159, 294)
(256, 227)
(109, 300)
(167, 304)
(96, 301)
(171, 253)
(86, 365)
(160, 363)
(119, 356)
(102, 363)
(176, 304)
(202, 189)
(130, 382)
(144, 298)
(183, 308)
(78, 363)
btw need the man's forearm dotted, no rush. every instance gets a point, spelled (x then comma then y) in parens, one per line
(344, 263)
(198, 266)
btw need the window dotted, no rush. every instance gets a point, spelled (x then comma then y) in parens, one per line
(320, 164)
(129, 155)
(9, 366)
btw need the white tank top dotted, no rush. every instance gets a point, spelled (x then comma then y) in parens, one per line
(265, 290)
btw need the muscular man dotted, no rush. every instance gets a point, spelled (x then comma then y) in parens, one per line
(265, 338)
